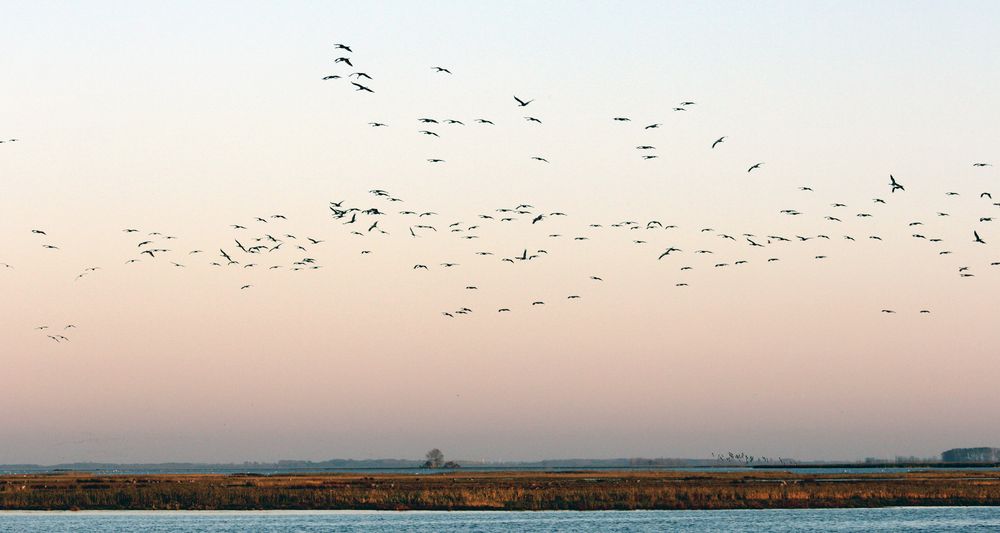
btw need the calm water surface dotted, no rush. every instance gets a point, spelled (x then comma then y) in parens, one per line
(925, 519)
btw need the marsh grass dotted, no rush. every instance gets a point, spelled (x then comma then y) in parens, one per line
(498, 491)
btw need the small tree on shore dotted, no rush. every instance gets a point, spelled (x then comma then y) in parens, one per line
(435, 459)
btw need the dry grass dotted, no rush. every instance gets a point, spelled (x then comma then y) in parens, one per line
(499, 491)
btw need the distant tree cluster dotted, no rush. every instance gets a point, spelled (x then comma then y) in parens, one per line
(435, 459)
(971, 455)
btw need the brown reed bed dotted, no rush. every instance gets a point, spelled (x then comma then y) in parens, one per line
(497, 491)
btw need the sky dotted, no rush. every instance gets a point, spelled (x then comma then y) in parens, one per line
(185, 118)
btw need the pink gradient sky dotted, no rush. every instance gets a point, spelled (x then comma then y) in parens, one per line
(183, 119)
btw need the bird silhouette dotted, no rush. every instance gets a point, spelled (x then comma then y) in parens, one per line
(895, 185)
(522, 103)
(668, 252)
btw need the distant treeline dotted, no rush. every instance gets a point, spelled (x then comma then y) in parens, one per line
(967, 456)
(971, 455)
(347, 464)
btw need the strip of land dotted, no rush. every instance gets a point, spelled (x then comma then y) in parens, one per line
(497, 491)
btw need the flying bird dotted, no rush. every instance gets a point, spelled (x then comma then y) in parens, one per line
(668, 251)
(522, 103)
(894, 184)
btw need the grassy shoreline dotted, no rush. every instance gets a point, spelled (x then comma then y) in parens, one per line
(581, 490)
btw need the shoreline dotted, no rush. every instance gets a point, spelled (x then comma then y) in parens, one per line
(497, 491)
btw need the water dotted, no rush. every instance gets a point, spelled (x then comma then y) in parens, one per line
(923, 519)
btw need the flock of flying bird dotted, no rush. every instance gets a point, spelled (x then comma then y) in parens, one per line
(268, 242)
